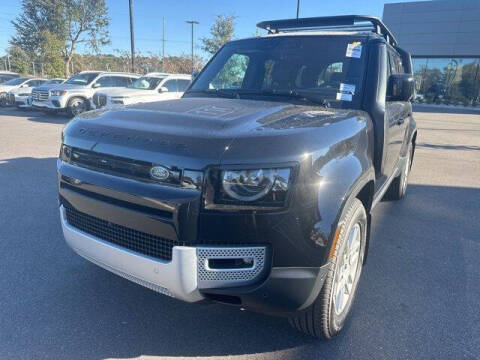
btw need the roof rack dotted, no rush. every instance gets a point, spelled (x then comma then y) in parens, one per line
(339, 23)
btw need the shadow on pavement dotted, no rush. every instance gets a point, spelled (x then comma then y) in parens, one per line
(448, 147)
(445, 109)
(417, 299)
(35, 115)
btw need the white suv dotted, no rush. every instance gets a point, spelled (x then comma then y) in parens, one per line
(149, 88)
(76, 93)
(24, 85)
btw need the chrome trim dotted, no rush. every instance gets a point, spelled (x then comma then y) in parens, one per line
(182, 277)
(177, 278)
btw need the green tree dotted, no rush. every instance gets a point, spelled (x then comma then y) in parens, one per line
(73, 22)
(36, 16)
(50, 54)
(85, 22)
(221, 32)
(19, 60)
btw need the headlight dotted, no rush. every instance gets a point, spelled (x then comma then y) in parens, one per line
(65, 152)
(57, 92)
(263, 187)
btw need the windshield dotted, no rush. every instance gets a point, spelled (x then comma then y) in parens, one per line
(146, 83)
(16, 81)
(327, 69)
(82, 79)
(54, 81)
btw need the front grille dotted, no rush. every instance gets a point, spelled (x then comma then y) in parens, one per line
(39, 95)
(119, 166)
(134, 240)
(99, 100)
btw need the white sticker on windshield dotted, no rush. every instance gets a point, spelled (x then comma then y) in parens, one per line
(348, 88)
(344, 96)
(354, 50)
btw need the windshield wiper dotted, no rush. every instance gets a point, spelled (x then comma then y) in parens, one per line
(302, 95)
(219, 92)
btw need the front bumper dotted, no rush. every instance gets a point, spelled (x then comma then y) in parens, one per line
(22, 101)
(183, 277)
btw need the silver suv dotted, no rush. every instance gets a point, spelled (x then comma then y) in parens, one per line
(75, 95)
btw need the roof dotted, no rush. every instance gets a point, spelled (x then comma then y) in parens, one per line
(167, 74)
(108, 72)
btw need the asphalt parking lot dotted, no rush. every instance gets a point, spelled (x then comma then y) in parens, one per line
(418, 297)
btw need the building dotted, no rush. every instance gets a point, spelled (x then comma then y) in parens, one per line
(443, 37)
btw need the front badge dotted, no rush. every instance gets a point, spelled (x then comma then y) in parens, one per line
(159, 173)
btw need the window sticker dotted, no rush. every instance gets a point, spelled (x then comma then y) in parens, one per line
(348, 88)
(354, 50)
(344, 96)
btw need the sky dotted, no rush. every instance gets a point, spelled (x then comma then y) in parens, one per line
(148, 19)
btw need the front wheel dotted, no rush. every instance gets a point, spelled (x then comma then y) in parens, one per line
(76, 106)
(327, 315)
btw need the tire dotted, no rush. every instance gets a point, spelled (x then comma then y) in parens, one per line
(328, 314)
(76, 106)
(398, 187)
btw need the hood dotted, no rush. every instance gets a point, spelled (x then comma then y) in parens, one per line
(125, 92)
(196, 132)
(7, 88)
(67, 87)
(46, 87)
(25, 90)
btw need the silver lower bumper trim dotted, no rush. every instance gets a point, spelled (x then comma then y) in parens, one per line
(182, 277)
(177, 278)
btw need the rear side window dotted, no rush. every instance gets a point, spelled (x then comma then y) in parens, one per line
(106, 81)
(396, 65)
(171, 85)
(183, 84)
(122, 81)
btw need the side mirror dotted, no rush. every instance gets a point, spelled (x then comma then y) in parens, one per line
(96, 85)
(401, 87)
(163, 89)
(24, 86)
(195, 74)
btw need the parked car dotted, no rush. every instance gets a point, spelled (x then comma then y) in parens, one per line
(74, 95)
(7, 75)
(22, 97)
(22, 84)
(41, 92)
(256, 188)
(150, 87)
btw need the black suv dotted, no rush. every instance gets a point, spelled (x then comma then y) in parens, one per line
(256, 188)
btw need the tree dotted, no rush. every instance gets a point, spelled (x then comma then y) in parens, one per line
(50, 54)
(85, 21)
(221, 32)
(73, 22)
(36, 16)
(19, 60)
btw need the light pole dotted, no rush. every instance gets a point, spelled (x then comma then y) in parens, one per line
(132, 41)
(192, 22)
(163, 43)
(298, 8)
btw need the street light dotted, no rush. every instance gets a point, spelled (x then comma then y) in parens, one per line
(192, 22)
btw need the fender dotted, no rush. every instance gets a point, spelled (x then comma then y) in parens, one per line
(342, 180)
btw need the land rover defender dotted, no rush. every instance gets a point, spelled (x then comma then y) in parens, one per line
(256, 188)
